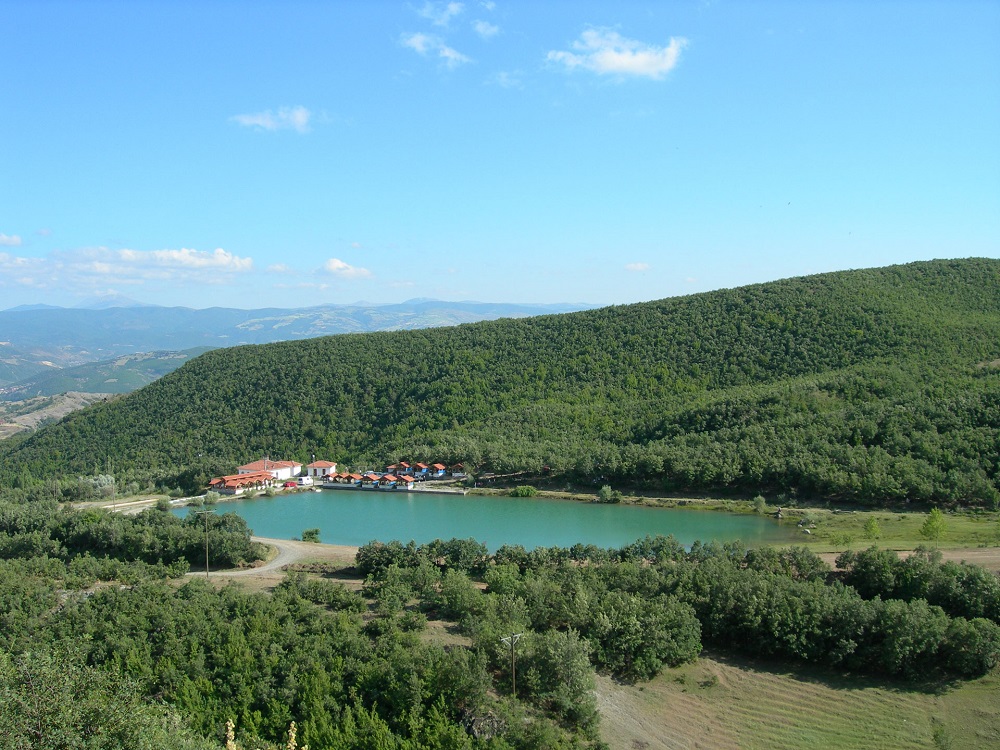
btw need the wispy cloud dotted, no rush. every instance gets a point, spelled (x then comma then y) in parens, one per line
(440, 14)
(508, 79)
(427, 44)
(91, 269)
(606, 52)
(10, 240)
(485, 29)
(217, 260)
(345, 271)
(286, 118)
(636, 267)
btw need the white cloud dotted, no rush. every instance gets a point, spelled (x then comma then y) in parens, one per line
(286, 118)
(185, 258)
(485, 29)
(10, 240)
(422, 43)
(508, 79)
(14, 263)
(279, 268)
(636, 267)
(425, 44)
(489, 4)
(440, 14)
(606, 52)
(92, 269)
(339, 268)
(452, 58)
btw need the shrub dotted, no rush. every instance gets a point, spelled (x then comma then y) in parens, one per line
(933, 526)
(608, 495)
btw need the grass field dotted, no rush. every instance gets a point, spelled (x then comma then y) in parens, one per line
(722, 702)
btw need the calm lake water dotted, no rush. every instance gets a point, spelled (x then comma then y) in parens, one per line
(357, 517)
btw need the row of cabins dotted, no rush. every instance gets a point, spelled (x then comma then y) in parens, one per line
(396, 476)
(259, 475)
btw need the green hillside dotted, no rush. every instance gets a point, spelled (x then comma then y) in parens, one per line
(119, 375)
(876, 385)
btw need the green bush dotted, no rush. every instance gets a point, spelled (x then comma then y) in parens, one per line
(525, 490)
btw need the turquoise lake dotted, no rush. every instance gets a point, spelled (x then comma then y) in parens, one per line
(355, 517)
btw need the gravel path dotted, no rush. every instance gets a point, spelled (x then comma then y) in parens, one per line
(289, 552)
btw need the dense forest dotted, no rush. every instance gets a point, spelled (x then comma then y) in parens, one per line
(876, 386)
(105, 644)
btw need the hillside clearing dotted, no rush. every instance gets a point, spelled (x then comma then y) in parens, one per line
(721, 702)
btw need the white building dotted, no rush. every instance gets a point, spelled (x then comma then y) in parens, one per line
(277, 469)
(321, 469)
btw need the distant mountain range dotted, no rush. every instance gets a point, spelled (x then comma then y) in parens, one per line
(38, 340)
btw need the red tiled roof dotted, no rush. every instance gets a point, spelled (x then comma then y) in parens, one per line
(266, 464)
(389, 478)
(322, 465)
(234, 481)
(439, 467)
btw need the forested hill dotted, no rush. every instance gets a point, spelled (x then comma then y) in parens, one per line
(878, 385)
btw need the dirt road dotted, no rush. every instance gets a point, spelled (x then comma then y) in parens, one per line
(285, 552)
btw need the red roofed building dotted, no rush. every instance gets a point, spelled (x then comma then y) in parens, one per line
(277, 469)
(320, 469)
(236, 484)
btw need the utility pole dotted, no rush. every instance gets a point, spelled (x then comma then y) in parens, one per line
(205, 514)
(512, 639)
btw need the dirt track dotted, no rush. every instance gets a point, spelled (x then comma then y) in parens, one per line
(287, 552)
(986, 557)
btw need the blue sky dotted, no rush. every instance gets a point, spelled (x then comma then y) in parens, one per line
(250, 154)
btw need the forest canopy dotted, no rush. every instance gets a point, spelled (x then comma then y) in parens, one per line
(879, 385)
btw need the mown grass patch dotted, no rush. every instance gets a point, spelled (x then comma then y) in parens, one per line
(832, 531)
(723, 702)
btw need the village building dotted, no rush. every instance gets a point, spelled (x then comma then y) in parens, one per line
(237, 484)
(277, 469)
(321, 469)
